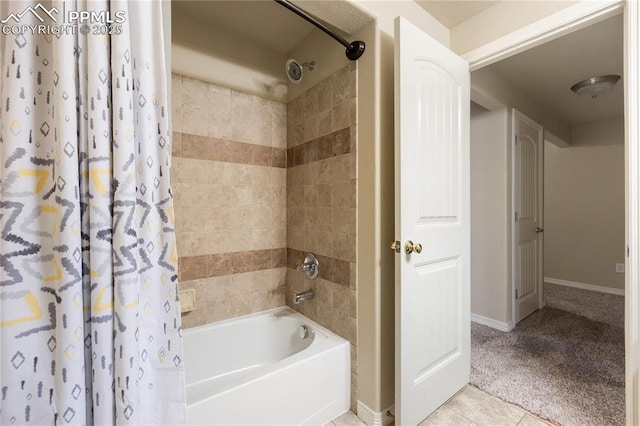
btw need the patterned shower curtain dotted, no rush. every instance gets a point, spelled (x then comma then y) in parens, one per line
(89, 318)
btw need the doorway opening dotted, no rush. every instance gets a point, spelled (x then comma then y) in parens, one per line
(572, 349)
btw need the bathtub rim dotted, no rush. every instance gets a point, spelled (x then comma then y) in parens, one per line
(329, 342)
(324, 331)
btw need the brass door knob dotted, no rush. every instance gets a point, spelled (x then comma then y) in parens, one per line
(395, 246)
(539, 230)
(409, 247)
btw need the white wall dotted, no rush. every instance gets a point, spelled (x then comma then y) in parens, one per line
(376, 217)
(491, 90)
(490, 214)
(209, 54)
(386, 12)
(500, 20)
(584, 206)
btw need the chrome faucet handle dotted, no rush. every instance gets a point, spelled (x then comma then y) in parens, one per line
(310, 267)
(304, 267)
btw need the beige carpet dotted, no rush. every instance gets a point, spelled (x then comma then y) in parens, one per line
(560, 365)
(602, 307)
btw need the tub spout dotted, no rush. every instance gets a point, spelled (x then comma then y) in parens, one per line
(305, 295)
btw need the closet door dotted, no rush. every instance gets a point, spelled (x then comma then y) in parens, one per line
(528, 157)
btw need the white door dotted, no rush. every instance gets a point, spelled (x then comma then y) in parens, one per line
(528, 212)
(432, 209)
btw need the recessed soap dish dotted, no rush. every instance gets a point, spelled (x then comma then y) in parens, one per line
(187, 300)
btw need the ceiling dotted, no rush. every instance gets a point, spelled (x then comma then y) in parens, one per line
(269, 24)
(547, 72)
(264, 23)
(453, 12)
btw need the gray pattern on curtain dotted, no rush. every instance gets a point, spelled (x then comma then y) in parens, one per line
(90, 319)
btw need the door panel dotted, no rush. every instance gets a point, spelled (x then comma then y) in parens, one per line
(528, 181)
(437, 316)
(438, 197)
(432, 208)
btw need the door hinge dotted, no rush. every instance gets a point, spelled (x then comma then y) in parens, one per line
(627, 251)
(516, 216)
(516, 139)
(516, 294)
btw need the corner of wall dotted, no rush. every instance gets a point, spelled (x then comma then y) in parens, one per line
(387, 11)
(490, 216)
(375, 418)
(587, 181)
(368, 232)
(216, 56)
(327, 54)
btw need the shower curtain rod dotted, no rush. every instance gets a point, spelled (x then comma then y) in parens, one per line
(354, 50)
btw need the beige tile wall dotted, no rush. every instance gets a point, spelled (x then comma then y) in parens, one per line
(321, 204)
(258, 184)
(229, 183)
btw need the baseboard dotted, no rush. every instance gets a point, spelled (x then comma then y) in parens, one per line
(374, 418)
(583, 286)
(489, 322)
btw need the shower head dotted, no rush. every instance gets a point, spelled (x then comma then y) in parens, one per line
(295, 69)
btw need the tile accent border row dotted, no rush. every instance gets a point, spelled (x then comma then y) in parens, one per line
(216, 265)
(331, 145)
(186, 145)
(331, 269)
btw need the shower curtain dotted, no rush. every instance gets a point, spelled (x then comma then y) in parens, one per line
(90, 319)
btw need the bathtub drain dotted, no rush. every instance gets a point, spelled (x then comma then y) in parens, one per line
(303, 332)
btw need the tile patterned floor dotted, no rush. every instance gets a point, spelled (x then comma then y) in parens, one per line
(347, 419)
(469, 407)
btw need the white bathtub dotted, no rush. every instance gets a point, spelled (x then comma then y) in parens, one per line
(256, 370)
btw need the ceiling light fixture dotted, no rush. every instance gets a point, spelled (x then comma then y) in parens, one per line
(595, 86)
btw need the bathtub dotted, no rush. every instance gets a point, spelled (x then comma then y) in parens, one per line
(258, 370)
